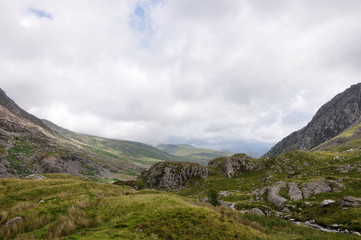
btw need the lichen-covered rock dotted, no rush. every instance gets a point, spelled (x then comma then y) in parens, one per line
(256, 211)
(234, 165)
(316, 187)
(326, 202)
(349, 201)
(172, 175)
(294, 192)
(274, 197)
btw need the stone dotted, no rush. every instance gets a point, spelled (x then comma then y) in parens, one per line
(344, 169)
(233, 166)
(34, 177)
(294, 192)
(330, 120)
(356, 233)
(326, 202)
(13, 221)
(286, 210)
(205, 199)
(224, 204)
(349, 201)
(256, 211)
(316, 187)
(41, 201)
(172, 175)
(274, 197)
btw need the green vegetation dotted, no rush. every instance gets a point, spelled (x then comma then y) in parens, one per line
(68, 207)
(193, 154)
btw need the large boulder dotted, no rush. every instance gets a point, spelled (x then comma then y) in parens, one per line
(172, 175)
(349, 201)
(294, 192)
(274, 197)
(316, 187)
(233, 166)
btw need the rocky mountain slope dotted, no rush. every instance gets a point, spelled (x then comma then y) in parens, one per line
(191, 153)
(136, 153)
(30, 145)
(330, 120)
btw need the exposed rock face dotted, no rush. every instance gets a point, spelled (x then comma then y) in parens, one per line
(234, 165)
(330, 120)
(326, 202)
(172, 175)
(256, 211)
(316, 187)
(294, 192)
(349, 201)
(274, 197)
(13, 221)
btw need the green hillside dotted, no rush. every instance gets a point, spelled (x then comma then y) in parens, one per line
(139, 154)
(67, 207)
(193, 154)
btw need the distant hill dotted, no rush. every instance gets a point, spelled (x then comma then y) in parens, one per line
(331, 119)
(136, 153)
(30, 145)
(192, 154)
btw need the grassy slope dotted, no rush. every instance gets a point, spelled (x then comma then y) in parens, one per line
(193, 154)
(305, 167)
(139, 154)
(76, 208)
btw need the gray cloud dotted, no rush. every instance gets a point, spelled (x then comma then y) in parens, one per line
(237, 75)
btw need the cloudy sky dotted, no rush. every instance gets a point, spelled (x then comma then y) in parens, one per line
(225, 74)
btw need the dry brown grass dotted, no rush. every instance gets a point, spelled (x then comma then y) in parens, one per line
(66, 224)
(3, 216)
(63, 195)
(22, 206)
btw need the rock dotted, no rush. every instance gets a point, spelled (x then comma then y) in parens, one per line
(326, 202)
(172, 175)
(224, 204)
(330, 120)
(224, 193)
(233, 206)
(316, 187)
(13, 221)
(294, 192)
(233, 166)
(349, 201)
(41, 201)
(34, 177)
(344, 169)
(356, 233)
(205, 199)
(274, 197)
(256, 211)
(286, 210)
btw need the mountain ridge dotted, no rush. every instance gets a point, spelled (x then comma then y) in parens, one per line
(331, 119)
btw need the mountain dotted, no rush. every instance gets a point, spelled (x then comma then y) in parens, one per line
(30, 145)
(191, 153)
(330, 120)
(131, 152)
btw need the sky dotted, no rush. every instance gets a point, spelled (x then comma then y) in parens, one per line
(235, 75)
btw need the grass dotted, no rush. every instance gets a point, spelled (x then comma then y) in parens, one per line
(76, 208)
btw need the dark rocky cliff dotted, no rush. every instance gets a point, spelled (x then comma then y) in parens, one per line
(330, 120)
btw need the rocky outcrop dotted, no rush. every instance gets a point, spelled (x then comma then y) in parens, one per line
(233, 166)
(326, 202)
(256, 211)
(294, 192)
(172, 175)
(316, 187)
(349, 201)
(330, 120)
(273, 195)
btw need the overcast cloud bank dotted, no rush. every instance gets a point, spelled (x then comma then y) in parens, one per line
(235, 75)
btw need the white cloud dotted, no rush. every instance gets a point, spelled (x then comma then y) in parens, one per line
(222, 74)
